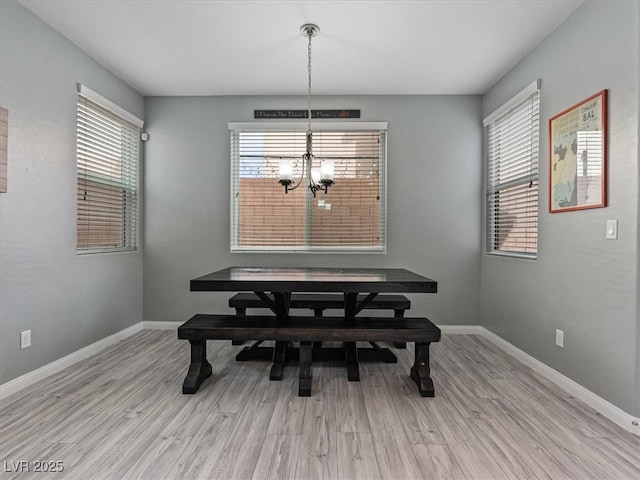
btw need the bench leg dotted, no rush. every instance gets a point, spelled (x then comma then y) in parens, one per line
(420, 372)
(279, 359)
(304, 380)
(200, 368)
(351, 355)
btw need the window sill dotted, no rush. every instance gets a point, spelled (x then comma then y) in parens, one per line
(325, 250)
(523, 256)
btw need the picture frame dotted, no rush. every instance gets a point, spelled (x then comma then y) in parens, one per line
(578, 156)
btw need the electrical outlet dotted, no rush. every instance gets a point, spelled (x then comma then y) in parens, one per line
(560, 338)
(25, 339)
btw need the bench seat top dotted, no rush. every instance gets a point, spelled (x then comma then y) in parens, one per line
(365, 329)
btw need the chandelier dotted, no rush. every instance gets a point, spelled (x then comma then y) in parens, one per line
(319, 179)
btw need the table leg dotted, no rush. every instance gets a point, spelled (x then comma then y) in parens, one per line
(318, 312)
(282, 301)
(279, 305)
(240, 312)
(279, 360)
(255, 352)
(304, 379)
(350, 304)
(351, 356)
(399, 314)
(420, 371)
(352, 353)
(376, 354)
(200, 368)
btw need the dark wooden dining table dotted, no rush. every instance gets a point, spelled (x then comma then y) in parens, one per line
(274, 286)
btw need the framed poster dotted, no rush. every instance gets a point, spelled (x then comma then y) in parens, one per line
(577, 156)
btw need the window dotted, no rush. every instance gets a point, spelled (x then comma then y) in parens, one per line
(349, 218)
(107, 162)
(512, 176)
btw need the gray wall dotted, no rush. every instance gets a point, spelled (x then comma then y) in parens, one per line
(581, 283)
(67, 301)
(434, 181)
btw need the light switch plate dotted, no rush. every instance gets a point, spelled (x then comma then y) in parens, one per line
(612, 230)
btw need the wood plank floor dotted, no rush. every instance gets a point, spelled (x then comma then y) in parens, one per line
(121, 415)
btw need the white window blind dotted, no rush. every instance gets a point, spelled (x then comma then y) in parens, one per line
(107, 165)
(350, 217)
(512, 176)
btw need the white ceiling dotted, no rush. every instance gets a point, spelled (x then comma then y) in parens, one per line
(245, 47)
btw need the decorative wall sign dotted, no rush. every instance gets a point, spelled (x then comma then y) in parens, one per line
(577, 156)
(293, 114)
(4, 139)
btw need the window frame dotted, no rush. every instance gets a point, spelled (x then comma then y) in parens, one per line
(288, 126)
(526, 102)
(125, 164)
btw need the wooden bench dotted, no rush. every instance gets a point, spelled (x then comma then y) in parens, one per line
(307, 330)
(321, 302)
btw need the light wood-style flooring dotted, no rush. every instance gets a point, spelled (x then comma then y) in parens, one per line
(121, 415)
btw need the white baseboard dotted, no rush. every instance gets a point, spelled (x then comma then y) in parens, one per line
(461, 329)
(605, 408)
(161, 325)
(28, 379)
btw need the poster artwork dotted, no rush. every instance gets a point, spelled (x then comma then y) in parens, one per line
(577, 156)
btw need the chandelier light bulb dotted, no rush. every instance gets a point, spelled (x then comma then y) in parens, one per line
(326, 170)
(286, 170)
(315, 176)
